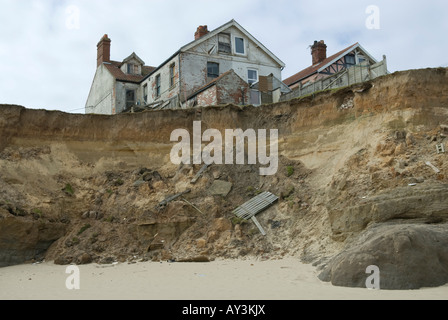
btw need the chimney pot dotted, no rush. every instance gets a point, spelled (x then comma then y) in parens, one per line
(103, 50)
(319, 51)
(200, 32)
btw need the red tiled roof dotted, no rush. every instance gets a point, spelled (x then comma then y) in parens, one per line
(114, 69)
(313, 69)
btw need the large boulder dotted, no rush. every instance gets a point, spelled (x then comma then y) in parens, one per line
(409, 256)
(425, 201)
(22, 239)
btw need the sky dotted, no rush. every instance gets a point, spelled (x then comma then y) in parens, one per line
(48, 47)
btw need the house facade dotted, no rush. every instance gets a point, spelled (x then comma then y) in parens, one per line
(228, 50)
(323, 67)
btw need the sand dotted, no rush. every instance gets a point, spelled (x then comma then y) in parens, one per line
(286, 279)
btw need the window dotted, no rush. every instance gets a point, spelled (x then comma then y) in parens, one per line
(145, 93)
(239, 45)
(130, 68)
(252, 76)
(255, 98)
(136, 69)
(130, 98)
(158, 82)
(172, 68)
(224, 43)
(350, 60)
(212, 70)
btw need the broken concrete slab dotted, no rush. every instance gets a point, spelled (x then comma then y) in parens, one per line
(220, 188)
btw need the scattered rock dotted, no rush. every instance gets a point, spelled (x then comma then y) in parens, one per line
(400, 149)
(220, 188)
(195, 259)
(85, 258)
(222, 224)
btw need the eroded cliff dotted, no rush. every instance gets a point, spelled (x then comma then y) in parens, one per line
(352, 169)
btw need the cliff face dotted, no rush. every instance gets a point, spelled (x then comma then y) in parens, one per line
(82, 188)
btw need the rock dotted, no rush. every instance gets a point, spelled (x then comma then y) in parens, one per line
(22, 240)
(139, 183)
(410, 140)
(222, 224)
(399, 203)
(63, 261)
(85, 215)
(201, 243)
(400, 149)
(195, 259)
(85, 258)
(107, 260)
(409, 256)
(220, 188)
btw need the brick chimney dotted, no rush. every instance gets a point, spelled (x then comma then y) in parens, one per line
(200, 32)
(103, 50)
(319, 51)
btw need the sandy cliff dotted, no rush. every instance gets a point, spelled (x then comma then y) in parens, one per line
(353, 183)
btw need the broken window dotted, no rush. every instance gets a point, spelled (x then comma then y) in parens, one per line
(212, 70)
(224, 43)
(252, 76)
(145, 93)
(130, 68)
(239, 45)
(172, 75)
(158, 86)
(350, 60)
(130, 98)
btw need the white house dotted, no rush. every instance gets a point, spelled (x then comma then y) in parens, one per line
(118, 86)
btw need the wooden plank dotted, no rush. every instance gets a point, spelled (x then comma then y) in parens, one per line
(199, 174)
(172, 198)
(258, 225)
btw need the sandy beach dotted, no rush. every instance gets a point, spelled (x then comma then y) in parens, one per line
(286, 279)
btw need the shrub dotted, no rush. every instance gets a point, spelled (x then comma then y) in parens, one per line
(289, 171)
(68, 189)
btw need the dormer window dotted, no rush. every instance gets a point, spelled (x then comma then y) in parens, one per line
(132, 68)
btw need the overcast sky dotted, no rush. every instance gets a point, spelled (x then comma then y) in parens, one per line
(48, 47)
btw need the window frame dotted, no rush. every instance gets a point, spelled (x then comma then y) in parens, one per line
(145, 93)
(158, 86)
(226, 45)
(211, 75)
(130, 68)
(351, 56)
(172, 74)
(257, 76)
(133, 96)
(236, 46)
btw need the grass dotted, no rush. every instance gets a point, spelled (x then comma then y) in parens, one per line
(68, 189)
(289, 171)
(237, 220)
(84, 228)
